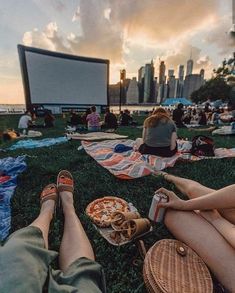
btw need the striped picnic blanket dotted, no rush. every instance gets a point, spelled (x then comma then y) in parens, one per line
(131, 164)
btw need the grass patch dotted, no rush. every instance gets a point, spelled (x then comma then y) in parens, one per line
(93, 181)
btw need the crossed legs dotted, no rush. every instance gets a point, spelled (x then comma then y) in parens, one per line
(193, 189)
(203, 238)
(200, 235)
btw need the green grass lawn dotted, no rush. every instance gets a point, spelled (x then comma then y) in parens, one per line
(93, 181)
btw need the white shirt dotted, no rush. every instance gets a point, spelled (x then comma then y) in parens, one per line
(24, 121)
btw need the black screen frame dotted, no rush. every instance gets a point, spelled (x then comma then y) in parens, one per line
(25, 78)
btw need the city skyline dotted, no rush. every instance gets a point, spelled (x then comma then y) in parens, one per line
(129, 33)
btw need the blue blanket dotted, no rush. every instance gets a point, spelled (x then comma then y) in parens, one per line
(34, 143)
(11, 167)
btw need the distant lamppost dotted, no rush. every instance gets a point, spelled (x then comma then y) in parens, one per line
(122, 77)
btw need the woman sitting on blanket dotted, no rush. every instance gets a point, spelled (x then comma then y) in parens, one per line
(93, 120)
(159, 135)
(206, 223)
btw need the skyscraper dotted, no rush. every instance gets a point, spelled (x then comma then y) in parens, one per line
(149, 83)
(192, 83)
(132, 95)
(162, 70)
(181, 72)
(172, 87)
(180, 82)
(170, 72)
(141, 72)
(123, 74)
(189, 67)
(202, 73)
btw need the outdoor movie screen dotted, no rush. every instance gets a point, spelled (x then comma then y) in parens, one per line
(56, 78)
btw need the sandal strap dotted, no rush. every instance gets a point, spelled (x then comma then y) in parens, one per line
(65, 180)
(49, 192)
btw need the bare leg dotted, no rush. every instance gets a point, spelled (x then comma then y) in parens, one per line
(201, 236)
(75, 243)
(194, 189)
(188, 187)
(44, 219)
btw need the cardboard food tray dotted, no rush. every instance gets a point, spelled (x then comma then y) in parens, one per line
(105, 232)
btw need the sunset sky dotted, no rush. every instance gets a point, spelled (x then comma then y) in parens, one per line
(127, 32)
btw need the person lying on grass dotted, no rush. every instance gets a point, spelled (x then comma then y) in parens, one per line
(25, 259)
(206, 223)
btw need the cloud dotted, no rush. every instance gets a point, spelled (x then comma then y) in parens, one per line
(162, 20)
(220, 36)
(112, 28)
(49, 38)
(100, 38)
(180, 56)
(76, 15)
(59, 5)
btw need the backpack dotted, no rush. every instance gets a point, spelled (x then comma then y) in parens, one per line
(202, 146)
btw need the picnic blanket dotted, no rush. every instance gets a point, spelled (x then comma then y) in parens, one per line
(225, 130)
(33, 143)
(95, 136)
(131, 164)
(9, 170)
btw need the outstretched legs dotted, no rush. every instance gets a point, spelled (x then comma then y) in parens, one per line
(75, 243)
(44, 219)
(193, 189)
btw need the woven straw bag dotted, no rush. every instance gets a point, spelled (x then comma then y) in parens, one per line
(172, 267)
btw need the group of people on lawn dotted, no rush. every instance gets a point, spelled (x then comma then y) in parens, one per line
(205, 222)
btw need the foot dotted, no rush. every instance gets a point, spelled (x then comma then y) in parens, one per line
(48, 207)
(48, 198)
(67, 201)
(65, 185)
(161, 173)
(65, 181)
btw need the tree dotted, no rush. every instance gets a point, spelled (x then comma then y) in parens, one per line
(219, 86)
(214, 89)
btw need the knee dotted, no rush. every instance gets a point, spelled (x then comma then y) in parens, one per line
(191, 187)
(175, 219)
(170, 217)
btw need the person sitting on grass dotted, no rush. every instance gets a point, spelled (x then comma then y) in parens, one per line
(178, 116)
(24, 122)
(159, 135)
(93, 120)
(110, 120)
(49, 120)
(125, 118)
(25, 259)
(206, 223)
(202, 120)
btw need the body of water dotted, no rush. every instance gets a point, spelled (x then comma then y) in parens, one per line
(12, 109)
(20, 108)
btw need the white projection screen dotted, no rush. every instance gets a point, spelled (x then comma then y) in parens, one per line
(52, 78)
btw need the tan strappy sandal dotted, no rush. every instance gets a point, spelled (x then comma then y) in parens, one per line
(49, 192)
(65, 181)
